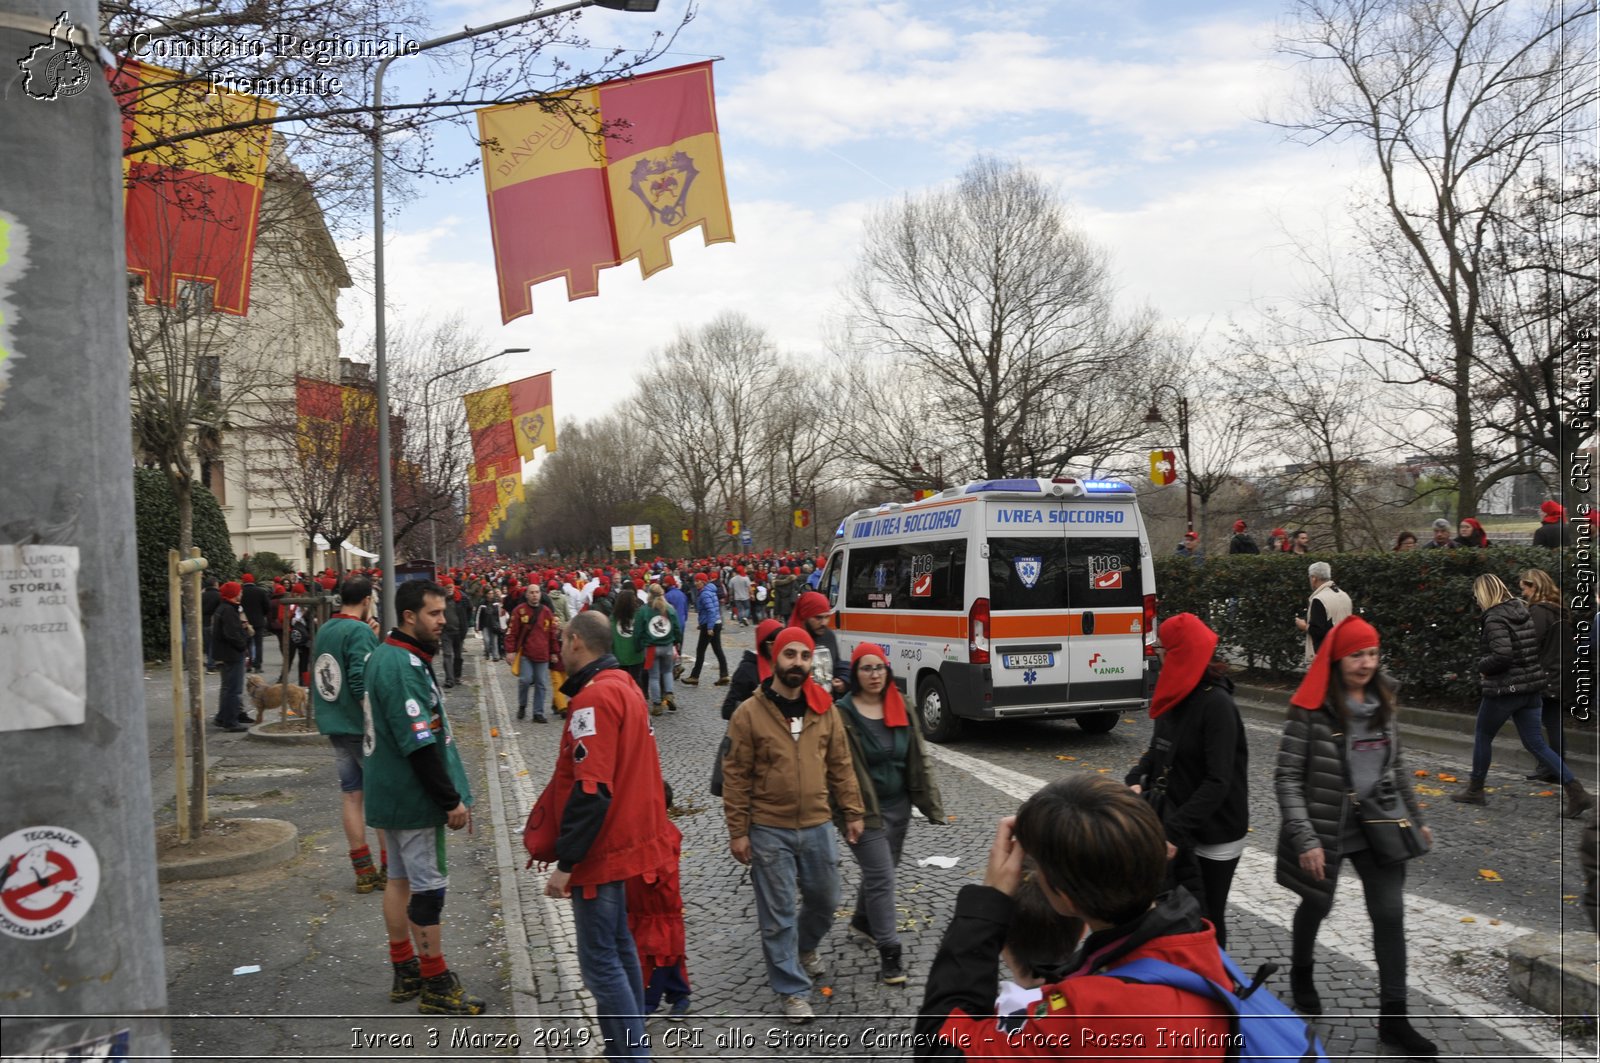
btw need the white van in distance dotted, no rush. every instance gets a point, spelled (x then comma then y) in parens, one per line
(1003, 599)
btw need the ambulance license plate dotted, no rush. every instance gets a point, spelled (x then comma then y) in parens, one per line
(1028, 660)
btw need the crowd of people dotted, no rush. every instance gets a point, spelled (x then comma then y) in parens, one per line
(1088, 878)
(1554, 532)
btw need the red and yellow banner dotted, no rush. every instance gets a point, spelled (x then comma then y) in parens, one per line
(1163, 467)
(335, 422)
(561, 205)
(510, 421)
(190, 208)
(491, 490)
(802, 518)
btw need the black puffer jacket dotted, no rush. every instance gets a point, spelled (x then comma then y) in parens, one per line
(1208, 787)
(1554, 631)
(1313, 795)
(1510, 645)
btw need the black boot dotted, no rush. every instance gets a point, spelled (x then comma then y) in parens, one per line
(1578, 801)
(890, 969)
(407, 981)
(1395, 1029)
(1304, 991)
(444, 995)
(1472, 795)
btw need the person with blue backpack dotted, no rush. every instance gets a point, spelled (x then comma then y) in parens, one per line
(1148, 982)
(1344, 795)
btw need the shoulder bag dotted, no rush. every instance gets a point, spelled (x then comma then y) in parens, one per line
(1393, 837)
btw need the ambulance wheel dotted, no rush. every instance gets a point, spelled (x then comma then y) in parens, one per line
(1098, 723)
(939, 722)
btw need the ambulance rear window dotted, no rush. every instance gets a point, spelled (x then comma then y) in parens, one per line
(1104, 573)
(1027, 573)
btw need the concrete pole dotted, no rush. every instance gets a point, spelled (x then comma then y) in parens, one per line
(64, 431)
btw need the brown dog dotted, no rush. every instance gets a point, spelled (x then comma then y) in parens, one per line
(264, 695)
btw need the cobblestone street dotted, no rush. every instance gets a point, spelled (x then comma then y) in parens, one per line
(1455, 924)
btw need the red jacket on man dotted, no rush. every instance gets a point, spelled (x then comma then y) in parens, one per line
(534, 634)
(608, 747)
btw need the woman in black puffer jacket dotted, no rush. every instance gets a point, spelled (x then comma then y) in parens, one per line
(1513, 681)
(1195, 773)
(1340, 740)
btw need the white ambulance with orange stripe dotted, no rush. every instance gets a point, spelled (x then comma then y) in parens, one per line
(1004, 599)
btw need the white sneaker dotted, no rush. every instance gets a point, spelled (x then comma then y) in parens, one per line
(797, 1009)
(812, 964)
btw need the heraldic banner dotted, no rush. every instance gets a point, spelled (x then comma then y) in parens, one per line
(191, 205)
(565, 203)
(335, 423)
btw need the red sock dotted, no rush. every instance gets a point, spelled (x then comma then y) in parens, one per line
(433, 966)
(385, 857)
(361, 859)
(401, 951)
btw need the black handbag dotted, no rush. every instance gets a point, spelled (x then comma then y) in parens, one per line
(1393, 837)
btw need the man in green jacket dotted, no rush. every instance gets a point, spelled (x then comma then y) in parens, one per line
(415, 787)
(338, 681)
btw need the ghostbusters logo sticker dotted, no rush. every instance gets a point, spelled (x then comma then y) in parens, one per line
(49, 877)
(581, 723)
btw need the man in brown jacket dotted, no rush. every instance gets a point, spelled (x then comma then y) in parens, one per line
(782, 815)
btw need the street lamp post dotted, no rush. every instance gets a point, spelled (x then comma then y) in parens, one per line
(379, 334)
(938, 469)
(1154, 417)
(427, 430)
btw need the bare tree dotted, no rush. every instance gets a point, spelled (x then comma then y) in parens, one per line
(1460, 103)
(1315, 413)
(998, 317)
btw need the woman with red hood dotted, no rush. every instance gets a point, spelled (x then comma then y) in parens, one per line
(893, 773)
(1340, 744)
(1195, 772)
(1471, 534)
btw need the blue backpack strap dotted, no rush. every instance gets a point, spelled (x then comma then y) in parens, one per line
(1160, 972)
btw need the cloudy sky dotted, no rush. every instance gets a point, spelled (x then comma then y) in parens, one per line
(1144, 114)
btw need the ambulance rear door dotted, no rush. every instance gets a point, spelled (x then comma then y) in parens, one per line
(1105, 590)
(1026, 557)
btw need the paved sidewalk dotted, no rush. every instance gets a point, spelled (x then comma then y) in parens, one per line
(322, 988)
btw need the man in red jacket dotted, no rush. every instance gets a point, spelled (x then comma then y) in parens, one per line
(1101, 857)
(534, 637)
(613, 825)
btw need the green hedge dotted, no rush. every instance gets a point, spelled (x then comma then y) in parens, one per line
(156, 525)
(1420, 602)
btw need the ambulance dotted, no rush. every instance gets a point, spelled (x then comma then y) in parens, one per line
(1003, 599)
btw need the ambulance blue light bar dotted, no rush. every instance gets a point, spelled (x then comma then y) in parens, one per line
(1106, 487)
(1004, 485)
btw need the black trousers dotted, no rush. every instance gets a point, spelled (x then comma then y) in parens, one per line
(709, 636)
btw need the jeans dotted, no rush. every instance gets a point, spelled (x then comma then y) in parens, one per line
(1552, 717)
(741, 611)
(709, 636)
(1524, 711)
(230, 699)
(257, 642)
(609, 962)
(447, 651)
(535, 674)
(877, 853)
(1384, 888)
(796, 877)
(660, 676)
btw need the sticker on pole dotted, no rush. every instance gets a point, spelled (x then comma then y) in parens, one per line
(49, 877)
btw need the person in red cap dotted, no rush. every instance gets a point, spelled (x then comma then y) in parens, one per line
(1553, 532)
(256, 601)
(786, 769)
(1196, 772)
(1189, 546)
(230, 643)
(1470, 534)
(893, 773)
(1242, 542)
(831, 668)
(1341, 742)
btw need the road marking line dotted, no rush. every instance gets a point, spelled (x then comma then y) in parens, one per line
(1346, 929)
(558, 925)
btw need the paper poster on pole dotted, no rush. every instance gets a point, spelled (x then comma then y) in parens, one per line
(630, 536)
(43, 662)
